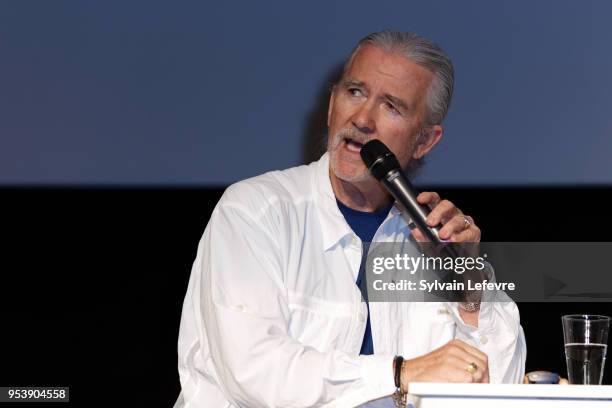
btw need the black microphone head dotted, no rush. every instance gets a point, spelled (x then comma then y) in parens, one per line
(378, 158)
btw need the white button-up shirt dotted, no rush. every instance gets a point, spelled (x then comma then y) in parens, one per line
(273, 318)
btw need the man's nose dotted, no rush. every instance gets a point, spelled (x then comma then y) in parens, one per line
(364, 120)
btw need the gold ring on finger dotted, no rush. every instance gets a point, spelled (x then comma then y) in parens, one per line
(471, 368)
(466, 222)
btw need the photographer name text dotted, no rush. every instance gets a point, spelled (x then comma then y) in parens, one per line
(435, 285)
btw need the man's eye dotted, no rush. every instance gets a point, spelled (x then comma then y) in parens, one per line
(392, 109)
(354, 92)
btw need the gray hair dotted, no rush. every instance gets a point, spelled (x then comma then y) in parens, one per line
(424, 53)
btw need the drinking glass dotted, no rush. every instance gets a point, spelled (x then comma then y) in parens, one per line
(586, 341)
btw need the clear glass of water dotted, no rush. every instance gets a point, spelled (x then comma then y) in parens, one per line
(586, 342)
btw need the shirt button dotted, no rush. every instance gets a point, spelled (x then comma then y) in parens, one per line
(484, 339)
(443, 311)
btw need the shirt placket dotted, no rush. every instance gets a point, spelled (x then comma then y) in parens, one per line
(353, 253)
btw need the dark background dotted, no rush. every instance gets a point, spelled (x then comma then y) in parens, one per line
(93, 280)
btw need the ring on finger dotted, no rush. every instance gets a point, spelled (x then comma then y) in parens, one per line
(471, 368)
(466, 222)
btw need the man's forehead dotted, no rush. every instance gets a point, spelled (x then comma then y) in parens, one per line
(371, 59)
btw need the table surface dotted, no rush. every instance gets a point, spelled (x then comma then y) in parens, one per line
(545, 391)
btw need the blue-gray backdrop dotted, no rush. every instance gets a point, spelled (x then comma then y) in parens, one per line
(206, 93)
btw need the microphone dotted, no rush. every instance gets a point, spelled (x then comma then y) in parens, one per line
(385, 168)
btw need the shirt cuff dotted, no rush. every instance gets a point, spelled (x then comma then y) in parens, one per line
(377, 382)
(377, 374)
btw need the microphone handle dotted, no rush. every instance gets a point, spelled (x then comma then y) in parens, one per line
(405, 195)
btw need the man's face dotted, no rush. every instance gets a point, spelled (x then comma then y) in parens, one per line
(381, 96)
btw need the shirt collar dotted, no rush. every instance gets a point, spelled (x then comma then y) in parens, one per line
(333, 224)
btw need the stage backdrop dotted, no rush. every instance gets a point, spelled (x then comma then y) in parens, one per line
(206, 93)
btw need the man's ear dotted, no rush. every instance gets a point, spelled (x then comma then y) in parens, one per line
(427, 140)
(332, 97)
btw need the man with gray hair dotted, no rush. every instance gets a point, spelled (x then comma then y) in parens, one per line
(273, 315)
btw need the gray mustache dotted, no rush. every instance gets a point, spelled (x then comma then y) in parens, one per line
(350, 133)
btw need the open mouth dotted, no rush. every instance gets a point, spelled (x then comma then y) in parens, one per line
(353, 145)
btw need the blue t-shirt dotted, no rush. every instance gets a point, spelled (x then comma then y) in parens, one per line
(365, 225)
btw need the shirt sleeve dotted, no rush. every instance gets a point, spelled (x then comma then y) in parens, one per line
(499, 335)
(245, 315)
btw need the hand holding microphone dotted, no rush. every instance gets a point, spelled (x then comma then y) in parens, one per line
(441, 224)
